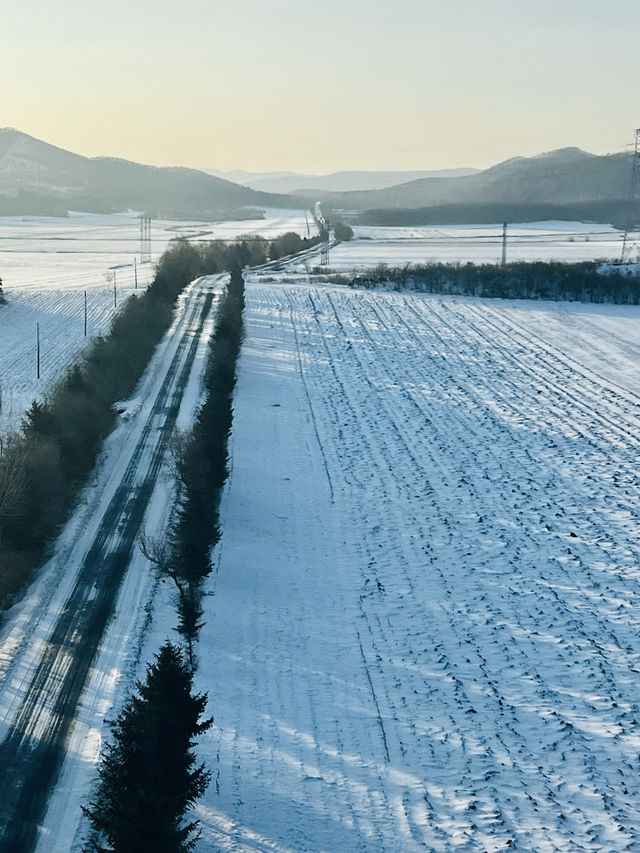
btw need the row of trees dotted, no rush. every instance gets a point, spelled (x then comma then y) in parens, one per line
(580, 282)
(201, 469)
(621, 213)
(149, 776)
(253, 250)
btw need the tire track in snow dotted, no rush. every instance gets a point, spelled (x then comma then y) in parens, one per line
(31, 754)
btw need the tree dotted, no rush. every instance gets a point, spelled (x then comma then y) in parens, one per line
(148, 778)
(341, 230)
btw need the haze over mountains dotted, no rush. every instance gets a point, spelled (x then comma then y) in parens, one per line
(345, 181)
(561, 176)
(566, 183)
(38, 178)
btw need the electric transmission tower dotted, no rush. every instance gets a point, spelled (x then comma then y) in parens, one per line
(145, 239)
(633, 189)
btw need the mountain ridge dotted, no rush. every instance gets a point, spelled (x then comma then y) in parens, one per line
(562, 176)
(38, 177)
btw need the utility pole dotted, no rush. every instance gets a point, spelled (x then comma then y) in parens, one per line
(307, 221)
(633, 186)
(37, 350)
(135, 273)
(145, 238)
(85, 313)
(115, 292)
(504, 244)
(324, 253)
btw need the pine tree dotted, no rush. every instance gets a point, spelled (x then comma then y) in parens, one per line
(148, 778)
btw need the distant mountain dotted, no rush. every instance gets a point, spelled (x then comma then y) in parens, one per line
(564, 177)
(292, 182)
(39, 178)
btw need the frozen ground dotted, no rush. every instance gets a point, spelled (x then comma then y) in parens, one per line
(425, 627)
(538, 241)
(46, 263)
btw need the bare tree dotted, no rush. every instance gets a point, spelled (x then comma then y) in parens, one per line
(160, 554)
(12, 478)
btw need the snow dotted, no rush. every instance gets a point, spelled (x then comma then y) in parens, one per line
(537, 241)
(424, 628)
(47, 262)
(60, 317)
(124, 651)
(76, 252)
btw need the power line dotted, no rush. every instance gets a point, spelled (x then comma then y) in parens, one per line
(633, 186)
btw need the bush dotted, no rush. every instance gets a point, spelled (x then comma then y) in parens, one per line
(579, 282)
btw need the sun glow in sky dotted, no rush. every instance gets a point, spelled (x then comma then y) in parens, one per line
(345, 84)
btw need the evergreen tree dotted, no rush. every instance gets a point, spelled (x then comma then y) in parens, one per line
(149, 778)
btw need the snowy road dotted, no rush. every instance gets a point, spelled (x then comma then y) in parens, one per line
(425, 633)
(46, 662)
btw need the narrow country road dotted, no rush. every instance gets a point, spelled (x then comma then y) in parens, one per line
(43, 711)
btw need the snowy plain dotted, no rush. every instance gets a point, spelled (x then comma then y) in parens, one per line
(424, 632)
(423, 629)
(47, 262)
(536, 241)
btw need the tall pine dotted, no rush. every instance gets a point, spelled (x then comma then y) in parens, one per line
(149, 778)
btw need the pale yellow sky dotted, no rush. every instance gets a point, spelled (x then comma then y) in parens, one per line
(347, 84)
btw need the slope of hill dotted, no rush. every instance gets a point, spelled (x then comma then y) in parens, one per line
(345, 181)
(566, 176)
(39, 178)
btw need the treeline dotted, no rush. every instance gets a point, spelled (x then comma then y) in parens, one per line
(148, 777)
(580, 282)
(201, 468)
(620, 213)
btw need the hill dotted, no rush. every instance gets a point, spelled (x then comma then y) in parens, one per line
(345, 181)
(564, 177)
(39, 178)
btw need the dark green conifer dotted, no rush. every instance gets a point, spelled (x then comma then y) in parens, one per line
(149, 778)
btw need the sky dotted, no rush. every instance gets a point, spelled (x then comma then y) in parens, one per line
(303, 86)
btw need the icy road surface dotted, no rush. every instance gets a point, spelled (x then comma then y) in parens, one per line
(425, 633)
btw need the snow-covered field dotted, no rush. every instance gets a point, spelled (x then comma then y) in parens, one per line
(538, 241)
(46, 263)
(60, 316)
(78, 251)
(423, 632)
(425, 626)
